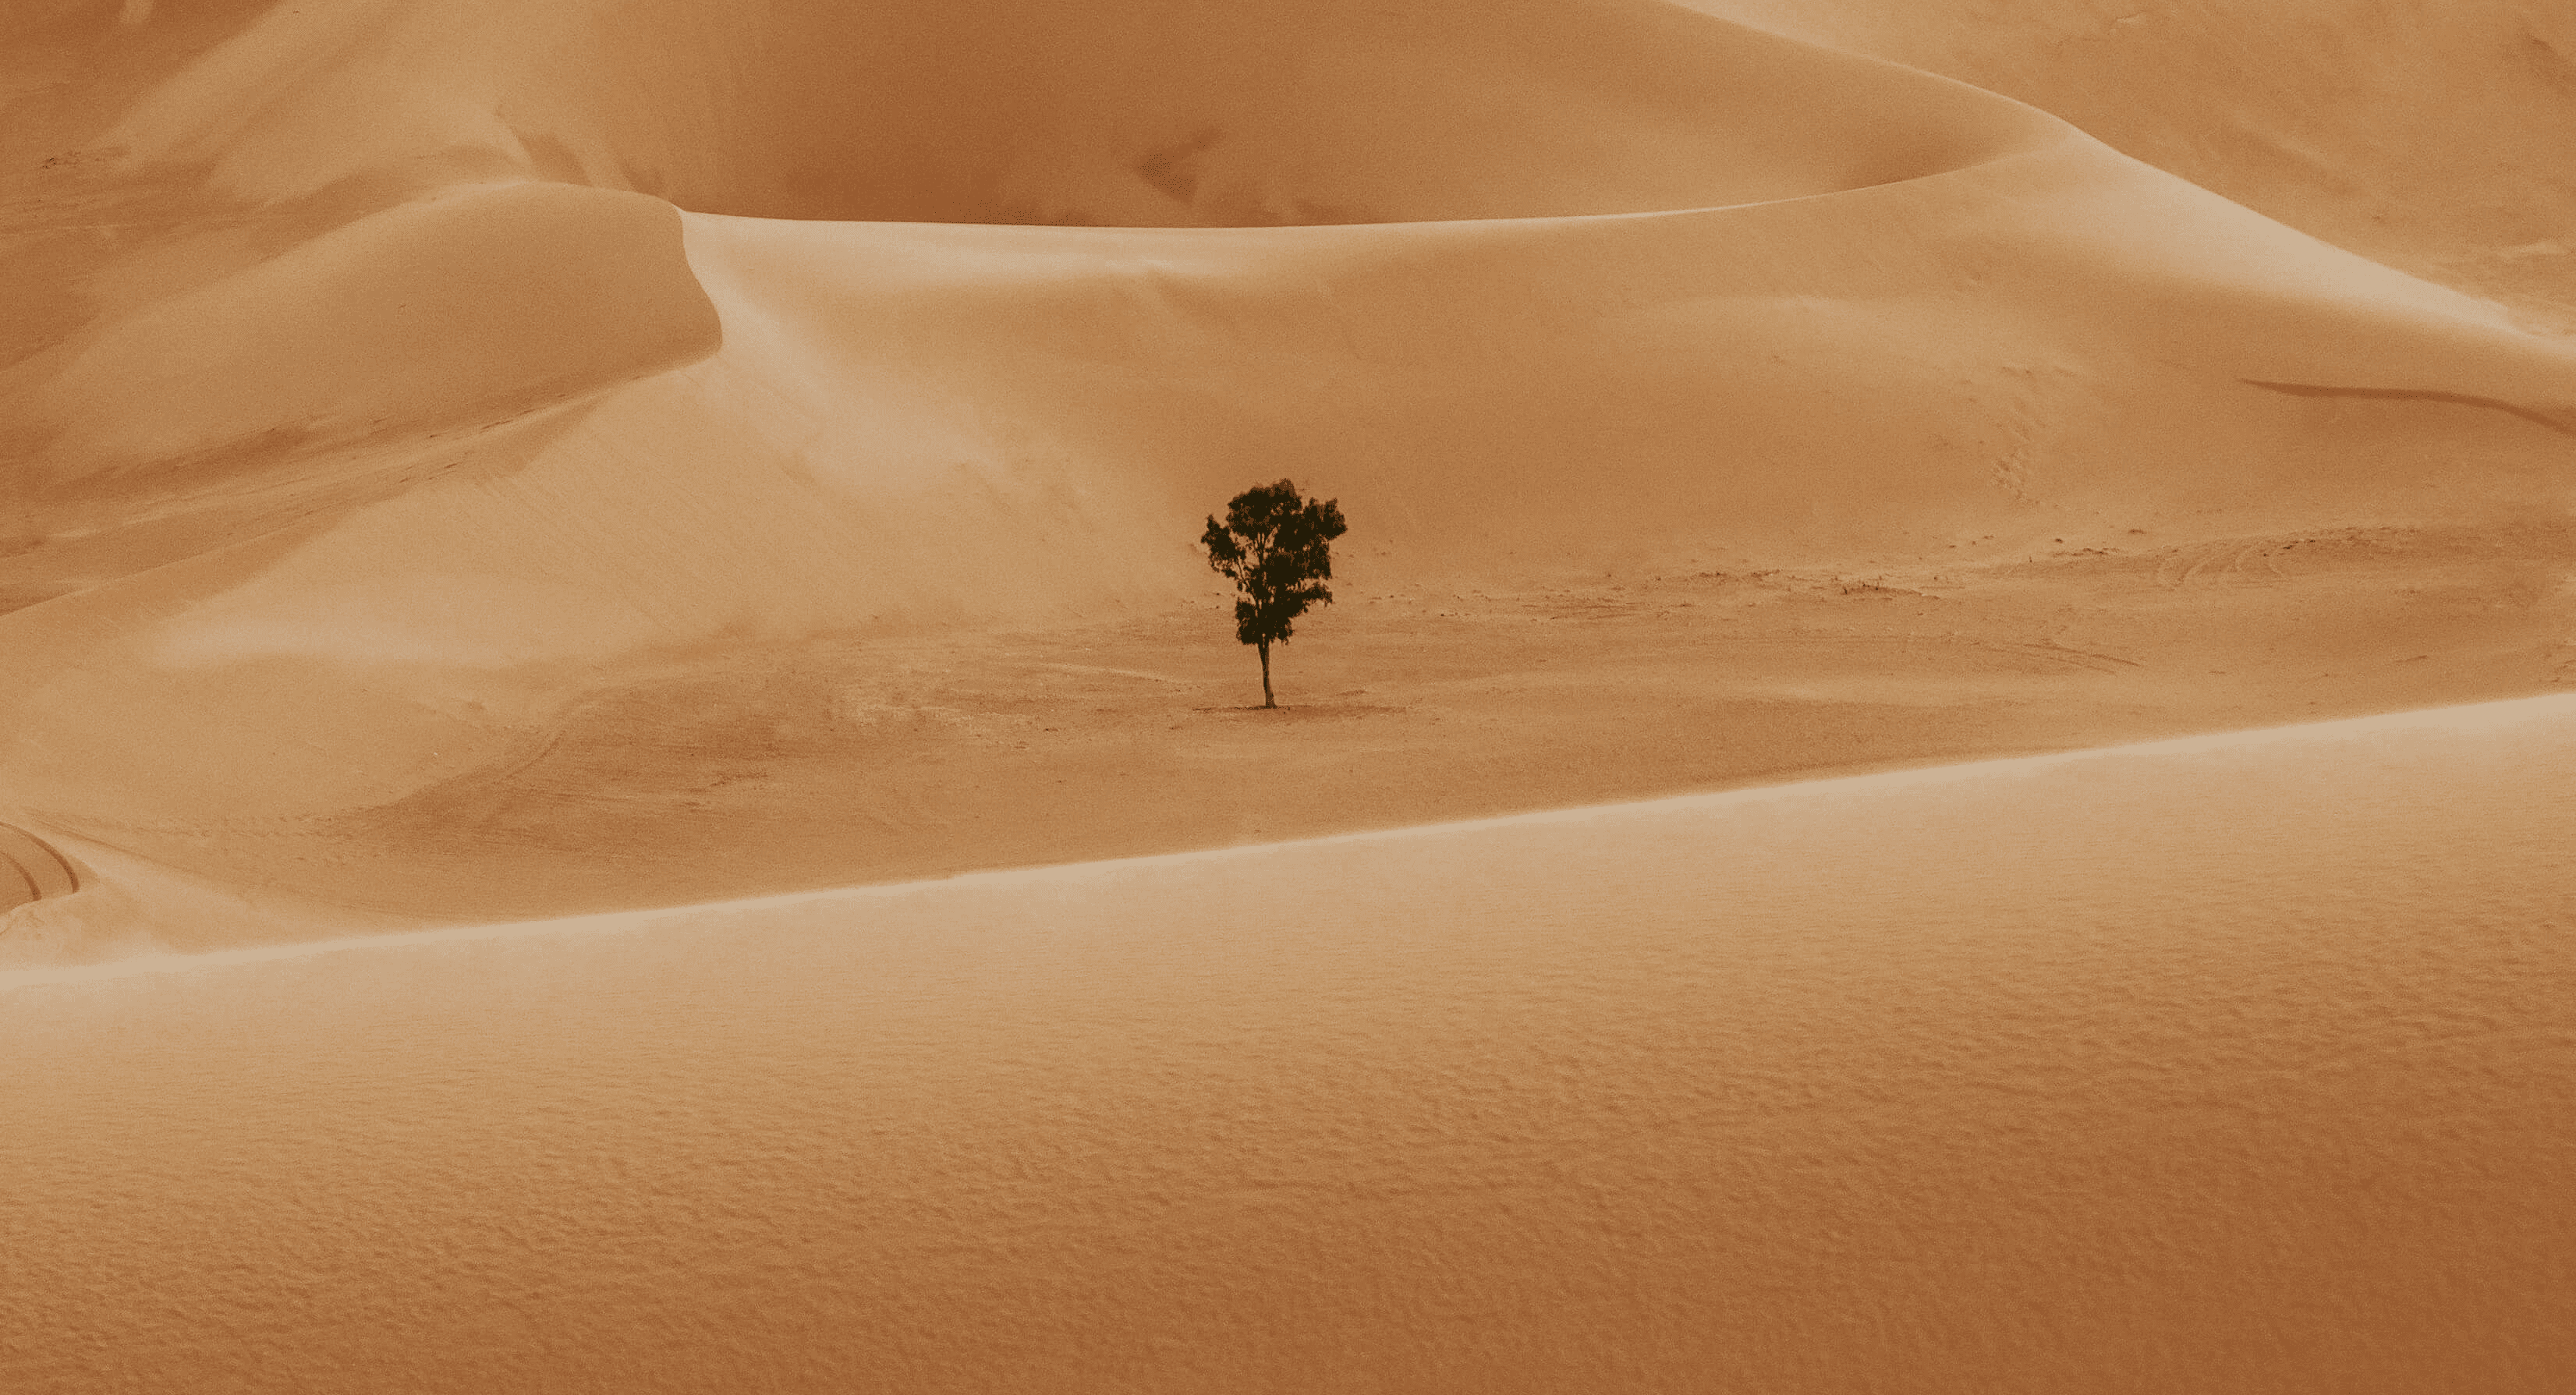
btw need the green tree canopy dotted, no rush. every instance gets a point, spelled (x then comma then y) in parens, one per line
(1277, 549)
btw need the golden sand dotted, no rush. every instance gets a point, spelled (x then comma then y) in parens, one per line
(477, 462)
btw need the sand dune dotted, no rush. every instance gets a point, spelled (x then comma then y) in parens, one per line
(2235, 1065)
(2349, 119)
(30, 870)
(364, 449)
(466, 464)
(1129, 112)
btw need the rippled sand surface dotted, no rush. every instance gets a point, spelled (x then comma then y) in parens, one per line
(2232, 1064)
(704, 466)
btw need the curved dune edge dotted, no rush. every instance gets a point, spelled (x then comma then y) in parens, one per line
(889, 427)
(143, 957)
(1126, 113)
(30, 870)
(2235, 1064)
(2344, 118)
(355, 355)
(408, 283)
(475, 305)
(745, 484)
(1613, 1099)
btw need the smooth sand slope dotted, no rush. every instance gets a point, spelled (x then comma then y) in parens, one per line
(2349, 119)
(2238, 1066)
(474, 462)
(367, 425)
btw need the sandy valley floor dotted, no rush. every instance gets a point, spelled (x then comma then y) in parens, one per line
(756, 769)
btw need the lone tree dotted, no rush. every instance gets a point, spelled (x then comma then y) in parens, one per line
(1277, 549)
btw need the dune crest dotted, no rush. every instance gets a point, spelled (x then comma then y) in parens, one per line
(617, 770)
(1134, 112)
(417, 449)
(2428, 134)
(466, 308)
(31, 871)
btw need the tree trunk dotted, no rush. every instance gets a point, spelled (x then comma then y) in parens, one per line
(1266, 699)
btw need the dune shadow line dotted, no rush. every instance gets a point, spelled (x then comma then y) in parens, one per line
(2457, 399)
(30, 869)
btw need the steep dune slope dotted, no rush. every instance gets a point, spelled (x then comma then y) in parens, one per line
(171, 182)
(1655, 285)
(30, 871)
(1130, 112)
(2429, 134)
(331, 360)
(474, 459)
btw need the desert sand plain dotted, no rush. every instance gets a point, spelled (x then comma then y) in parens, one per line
(532, 530)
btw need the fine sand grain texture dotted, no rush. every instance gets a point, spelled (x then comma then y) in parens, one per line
(478, 475)
(2237, 1065)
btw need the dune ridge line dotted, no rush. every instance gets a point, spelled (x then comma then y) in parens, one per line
(2463, 717)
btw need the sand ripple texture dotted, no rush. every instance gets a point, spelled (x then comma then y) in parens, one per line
(2235, 1065)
